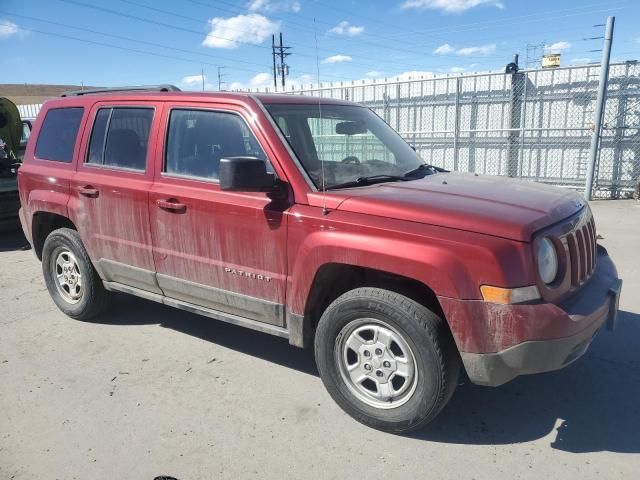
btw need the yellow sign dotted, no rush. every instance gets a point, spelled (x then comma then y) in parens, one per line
(551, 60)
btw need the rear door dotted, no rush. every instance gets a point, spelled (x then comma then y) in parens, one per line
(225, 251)
(110, 192)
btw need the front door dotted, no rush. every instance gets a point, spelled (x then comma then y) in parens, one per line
(225, 251)
(110, 193)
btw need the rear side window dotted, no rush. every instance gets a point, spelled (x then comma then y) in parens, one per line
(58, 133)
(120, 137)
(198, 139)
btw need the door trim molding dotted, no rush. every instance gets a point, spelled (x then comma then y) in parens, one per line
(221, 300)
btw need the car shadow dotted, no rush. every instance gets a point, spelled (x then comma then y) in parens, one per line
(590, 406)
(586, 407)
(131, 310)
(12, 238)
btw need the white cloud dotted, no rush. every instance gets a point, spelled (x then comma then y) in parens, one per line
(267, 6)
(194, 82)
(229, 33)
(557, 47)
(457, 69)
(450, 6)
(7, 28)
(265, 80)
(344, 28)
(337, 59)
(444, 49)
(373, 73)
(479, 50)
(581, 60)
(413, 75)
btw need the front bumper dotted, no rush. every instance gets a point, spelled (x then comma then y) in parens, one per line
(526, 339)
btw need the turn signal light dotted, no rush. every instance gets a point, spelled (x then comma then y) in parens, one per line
(507, 296)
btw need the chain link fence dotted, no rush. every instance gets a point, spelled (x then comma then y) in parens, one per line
(535, 124)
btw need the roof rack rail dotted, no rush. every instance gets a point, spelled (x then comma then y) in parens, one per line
(140, 88)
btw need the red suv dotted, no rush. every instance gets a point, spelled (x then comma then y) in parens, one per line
(311, 219)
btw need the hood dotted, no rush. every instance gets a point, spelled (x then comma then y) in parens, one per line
(497, 206)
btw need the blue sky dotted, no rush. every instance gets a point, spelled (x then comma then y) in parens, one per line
(122, 42)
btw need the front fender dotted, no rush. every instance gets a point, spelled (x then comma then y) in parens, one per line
(452, 263)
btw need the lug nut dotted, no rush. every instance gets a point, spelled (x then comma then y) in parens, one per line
(379, 373)
(386, 364)
(367, 366)
(367, 353)
(378, 351)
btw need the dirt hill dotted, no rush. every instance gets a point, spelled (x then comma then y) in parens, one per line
(23, 94)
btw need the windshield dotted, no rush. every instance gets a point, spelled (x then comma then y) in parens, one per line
(352, 141)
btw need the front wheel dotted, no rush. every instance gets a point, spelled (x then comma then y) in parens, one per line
(387, 361)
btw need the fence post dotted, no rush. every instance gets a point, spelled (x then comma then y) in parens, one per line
(456, 123)
(518, 80)
(600, 105)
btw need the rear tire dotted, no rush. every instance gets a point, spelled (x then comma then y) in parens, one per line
(386, 360)
(72, 281)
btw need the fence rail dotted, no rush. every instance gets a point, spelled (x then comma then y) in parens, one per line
(534, 124)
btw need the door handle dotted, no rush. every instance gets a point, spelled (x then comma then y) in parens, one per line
(172, 205)
(88, 191)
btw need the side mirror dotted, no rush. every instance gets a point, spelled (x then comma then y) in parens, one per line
(351, 128)
(245, 174)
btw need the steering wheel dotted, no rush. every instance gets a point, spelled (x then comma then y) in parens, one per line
(351, 160)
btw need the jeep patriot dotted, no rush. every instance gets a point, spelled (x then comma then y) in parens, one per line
(313, 220)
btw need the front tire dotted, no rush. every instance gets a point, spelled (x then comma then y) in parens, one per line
(386, 360)
(72, 281)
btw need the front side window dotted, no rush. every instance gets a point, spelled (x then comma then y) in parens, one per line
(348, 141)
(57, 137)
(198, 139)
(120, 137)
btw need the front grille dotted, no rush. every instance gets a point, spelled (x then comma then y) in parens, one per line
(580, 245)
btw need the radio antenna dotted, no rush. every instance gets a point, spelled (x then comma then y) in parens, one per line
(324, 190)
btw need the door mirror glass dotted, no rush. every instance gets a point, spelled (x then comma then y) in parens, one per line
(245, 174)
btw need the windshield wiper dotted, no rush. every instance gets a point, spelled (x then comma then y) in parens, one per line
(424, 167)
(370, 180)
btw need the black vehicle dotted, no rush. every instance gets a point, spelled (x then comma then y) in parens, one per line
(13, 136)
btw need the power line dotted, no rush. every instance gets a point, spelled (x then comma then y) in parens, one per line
(109, 45)
(167, 25)
(135, 40)
(299, 45)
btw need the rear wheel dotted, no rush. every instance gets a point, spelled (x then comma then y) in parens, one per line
(388, 361)
(72, 281)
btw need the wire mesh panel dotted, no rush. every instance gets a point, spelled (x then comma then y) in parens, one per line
(618, 167)
(534, 124)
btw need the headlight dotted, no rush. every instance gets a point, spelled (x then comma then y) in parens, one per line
(547, 260)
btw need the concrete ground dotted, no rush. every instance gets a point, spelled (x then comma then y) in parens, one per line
(149, 390)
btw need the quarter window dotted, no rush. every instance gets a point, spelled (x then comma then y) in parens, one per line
(198, 139)
(57, 137)
(120, 137)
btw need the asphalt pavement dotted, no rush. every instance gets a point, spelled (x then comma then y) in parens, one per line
(148, 390)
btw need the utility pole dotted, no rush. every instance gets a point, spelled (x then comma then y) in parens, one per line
(273, 56)
(281, 52)
(220, 75)
(202, 78)
(600, 106)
